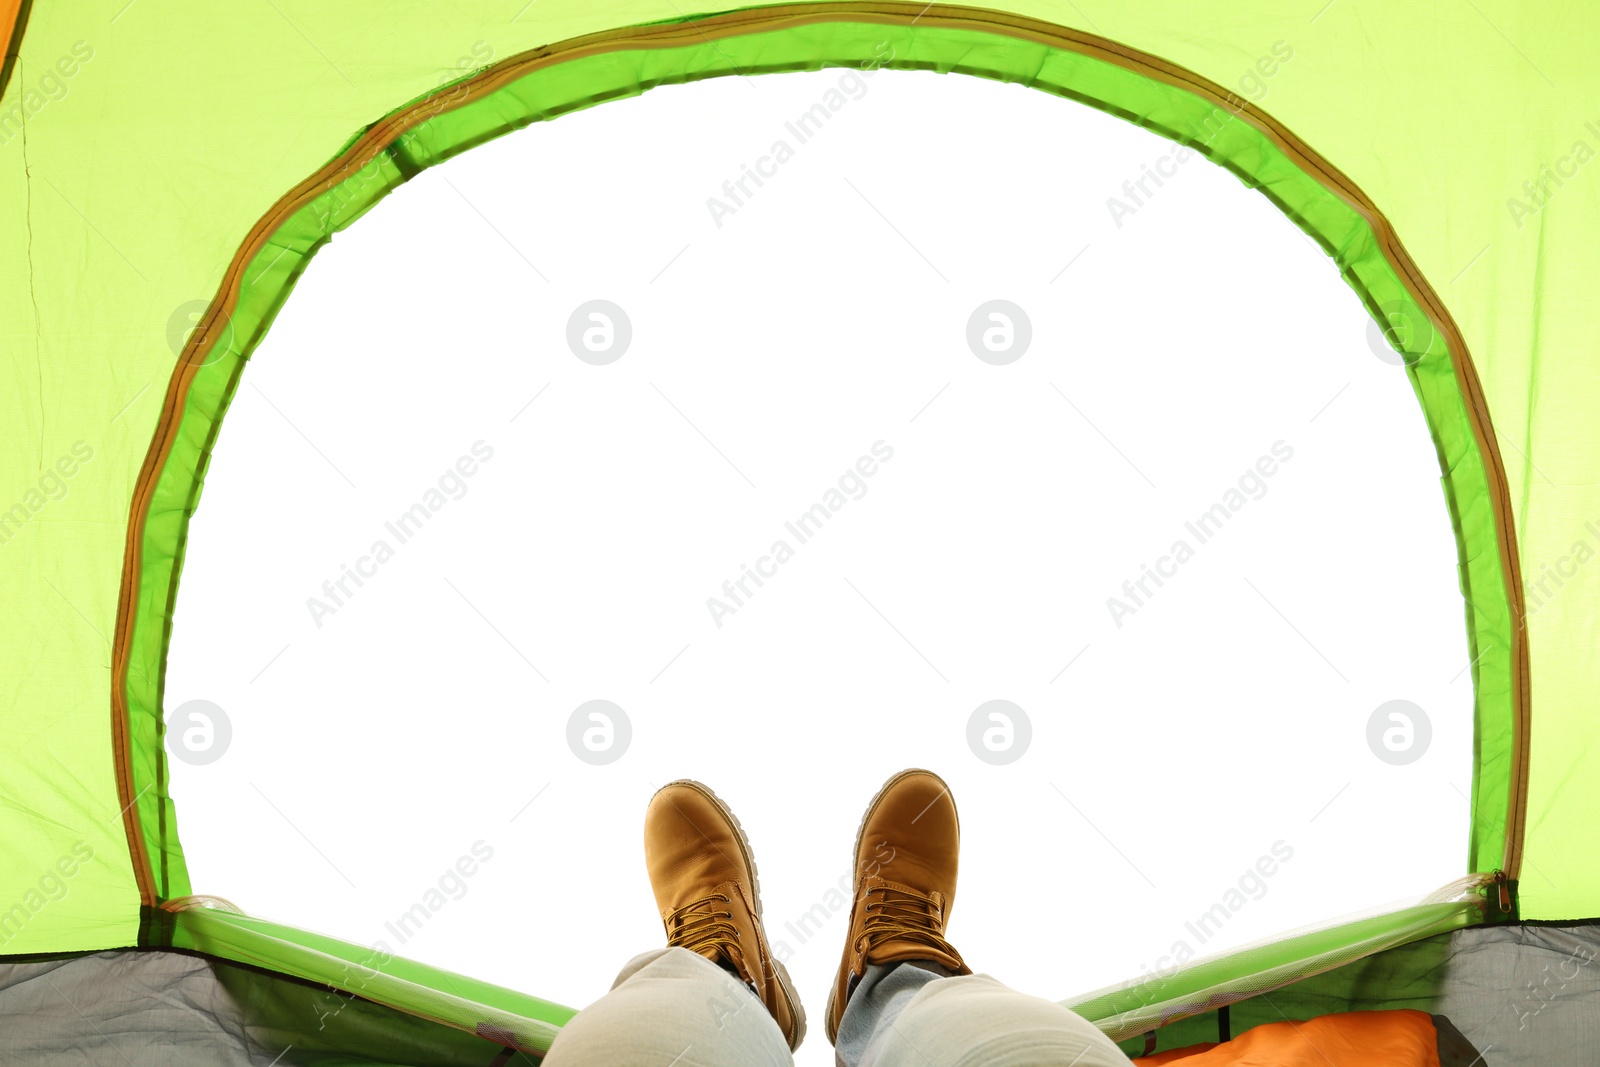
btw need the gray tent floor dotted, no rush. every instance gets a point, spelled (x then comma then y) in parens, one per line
(1523, 995)
(132, 1008)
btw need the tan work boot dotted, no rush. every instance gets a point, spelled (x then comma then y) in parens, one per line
(907, 854)
(706, 888)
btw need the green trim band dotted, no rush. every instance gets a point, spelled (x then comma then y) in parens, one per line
(503, 1015)
(1134, 1008)
(530, 1024)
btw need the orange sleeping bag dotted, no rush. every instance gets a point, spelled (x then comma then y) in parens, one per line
(1401, 1038)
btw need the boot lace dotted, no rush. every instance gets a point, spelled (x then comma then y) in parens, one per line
(704, 926)
(899, 916)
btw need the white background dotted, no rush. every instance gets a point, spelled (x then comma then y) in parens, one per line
(827, 313)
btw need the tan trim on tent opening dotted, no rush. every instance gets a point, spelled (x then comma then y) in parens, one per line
(709, 29)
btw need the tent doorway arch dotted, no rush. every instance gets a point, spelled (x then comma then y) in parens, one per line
(585, 71)
(180, 623)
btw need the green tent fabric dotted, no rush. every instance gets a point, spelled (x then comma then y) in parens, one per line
(169, 169)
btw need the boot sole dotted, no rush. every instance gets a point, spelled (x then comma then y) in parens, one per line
(855, 872)
(796, 1009)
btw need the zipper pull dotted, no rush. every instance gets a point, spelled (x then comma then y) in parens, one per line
(1503, 891)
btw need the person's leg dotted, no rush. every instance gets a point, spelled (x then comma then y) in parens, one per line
(876, 1003)
(672, 1006)
(903, 996)
(917, 1015)
(714, 997)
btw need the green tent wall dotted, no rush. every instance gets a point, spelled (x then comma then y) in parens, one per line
(156, 157)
